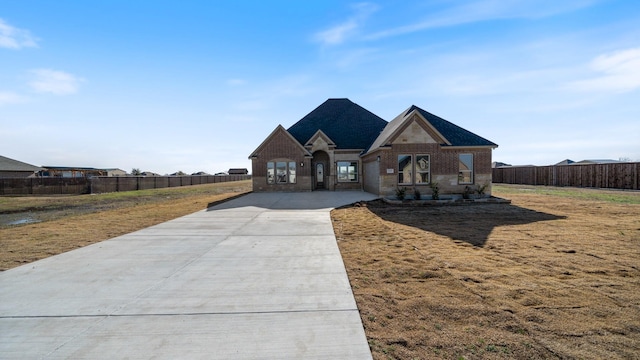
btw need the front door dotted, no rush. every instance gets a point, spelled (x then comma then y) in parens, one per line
(319, 176)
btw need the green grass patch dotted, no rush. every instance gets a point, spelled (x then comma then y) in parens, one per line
(610, 196)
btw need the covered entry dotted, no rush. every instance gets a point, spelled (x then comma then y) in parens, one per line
(321, 170)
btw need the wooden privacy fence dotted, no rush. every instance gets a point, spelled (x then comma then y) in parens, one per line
(612, 175)
(102, 184)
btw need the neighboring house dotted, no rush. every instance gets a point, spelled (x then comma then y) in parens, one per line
(149, 173)
(341, 145)
(10, 168)
(596, 161)
(238, 172)
(115, 172)
(497, 164)
(71, 172)
(565, 162)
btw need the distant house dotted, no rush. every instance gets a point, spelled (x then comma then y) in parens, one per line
(341, 145)
(200, 173)
(597, 161)
(71, 172)
(566, 162)
(588, 161)
(10, 168)
(115, 172)
(149, 173)
(238, 172)
(497, 164)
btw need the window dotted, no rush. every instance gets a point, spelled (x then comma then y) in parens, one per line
(281, 172)
(347, 171)
(292, 172)
(465, 172)
(405, 167)
(271, 175)
(423, 167)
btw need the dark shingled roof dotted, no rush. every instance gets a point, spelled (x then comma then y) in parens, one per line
(456, 135)
(348, 124)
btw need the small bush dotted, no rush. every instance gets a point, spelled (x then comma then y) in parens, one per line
(481, 189)
(467, 192)
(400, 193)
(435, 190)
(416, 194)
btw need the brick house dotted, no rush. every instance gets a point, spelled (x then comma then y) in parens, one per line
(342, 146)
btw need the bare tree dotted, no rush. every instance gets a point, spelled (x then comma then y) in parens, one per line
(136, 172)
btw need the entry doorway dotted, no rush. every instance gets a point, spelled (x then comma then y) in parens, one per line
(321, 170)
(320, 176)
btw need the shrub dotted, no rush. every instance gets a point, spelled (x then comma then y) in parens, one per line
(400, 193)
(435, 191)
(467, 192)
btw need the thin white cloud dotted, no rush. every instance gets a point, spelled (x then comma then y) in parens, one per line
(14, 38)
(617, 72)
(8, 98)
(339, 33)
(485, 10)
(54, 82)
(236, 82)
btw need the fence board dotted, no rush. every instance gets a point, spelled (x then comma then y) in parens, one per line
(102, 184)
(612, 176)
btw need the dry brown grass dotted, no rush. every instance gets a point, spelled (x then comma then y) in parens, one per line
(70, 222)
(546, 277)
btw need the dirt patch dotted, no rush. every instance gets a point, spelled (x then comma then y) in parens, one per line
(64, 223)
(549, 276)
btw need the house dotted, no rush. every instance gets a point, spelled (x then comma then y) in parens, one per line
(565, 162)
(597, 161)
(115, 172)
(342, 146)
(238, 172)
(10, 168)
(71, 172)
(78, 172)
(497, 164)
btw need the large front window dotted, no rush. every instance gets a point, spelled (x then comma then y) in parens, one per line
(347, 171)
(281, 172)
(410, 172)
(465, 172)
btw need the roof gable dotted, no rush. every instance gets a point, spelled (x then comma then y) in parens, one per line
(7, 164)
(320, 135)
(279, 131)
(413, 132)
(456, 135)
(346, 123)
(441, 131)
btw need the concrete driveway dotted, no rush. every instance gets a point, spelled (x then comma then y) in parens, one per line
(258, 277)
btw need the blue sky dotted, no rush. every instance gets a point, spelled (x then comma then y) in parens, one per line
(197, 85)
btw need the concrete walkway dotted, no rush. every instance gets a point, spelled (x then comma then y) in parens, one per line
(259, 277)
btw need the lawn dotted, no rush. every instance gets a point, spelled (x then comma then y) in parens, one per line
(555, 274)
(46, 226)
